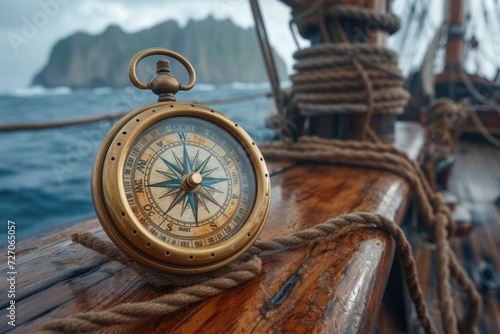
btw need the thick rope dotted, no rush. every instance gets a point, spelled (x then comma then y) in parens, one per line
(442, 135)
(368, 155)
(208, 285)
(158, 279)
(86, 322)
(346, 78)
(336, 76)
(342, 78)
(310, 15)
(435, 215)
(369, 94)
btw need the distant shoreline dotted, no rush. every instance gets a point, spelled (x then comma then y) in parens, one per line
(40, 91)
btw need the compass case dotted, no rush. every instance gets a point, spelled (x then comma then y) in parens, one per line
(180, 188)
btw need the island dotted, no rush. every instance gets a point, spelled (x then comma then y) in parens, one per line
(220, 51)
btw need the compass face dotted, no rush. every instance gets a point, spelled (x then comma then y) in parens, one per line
(180, 188)
(189, 183)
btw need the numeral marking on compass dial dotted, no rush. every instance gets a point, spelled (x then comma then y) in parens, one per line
(189, 182)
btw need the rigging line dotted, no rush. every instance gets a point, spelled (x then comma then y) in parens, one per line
(480, 97)
(475, 118)
(403, 36)
(415, 38)
(496, 10)
(409, 29)
(486, 56)
(267, 54)
(484, 131)
(486, 52)
(291, 24)
(423, 16)
(428, 26)
(110, 117)
(494, 41)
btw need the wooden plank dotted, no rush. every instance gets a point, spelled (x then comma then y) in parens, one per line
(333, 285)
(475, 180)
(489, 118)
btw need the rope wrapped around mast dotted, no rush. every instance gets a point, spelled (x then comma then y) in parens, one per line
(341, 73)
(328, 80)
(306, 14)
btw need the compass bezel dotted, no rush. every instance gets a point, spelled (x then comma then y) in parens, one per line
(118, 220)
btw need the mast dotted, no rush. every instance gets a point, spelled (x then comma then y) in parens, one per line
(338, 106)
(455, 83)
(450, 83)
(456, 34)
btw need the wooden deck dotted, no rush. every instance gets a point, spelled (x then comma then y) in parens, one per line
(331, 286)
(476, 182)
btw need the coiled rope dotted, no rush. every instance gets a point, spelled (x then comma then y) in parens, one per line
(308, 14)
(340, 77)
(442, 135)
(329, 81)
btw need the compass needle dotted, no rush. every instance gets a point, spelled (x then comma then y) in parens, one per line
(167, 184)
(195, 160)
(167, 174)
(212, 189)
(203, 165)
(202, 201)
(186, 163)
(180, 164)
(184, 205)
(172, 167)
(178, 198)
(168, 193)
(205, 194)
(193, 202)
(209, 181)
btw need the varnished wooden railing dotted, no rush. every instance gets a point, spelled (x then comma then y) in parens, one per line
(334, 285)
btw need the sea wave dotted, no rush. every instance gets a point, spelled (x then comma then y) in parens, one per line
(205, 87)
(249, 85)
(102, 90)
(36, 91)
(51, 187)
(257, 85)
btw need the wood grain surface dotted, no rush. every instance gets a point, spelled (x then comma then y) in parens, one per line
(334, 285)
(476, 182)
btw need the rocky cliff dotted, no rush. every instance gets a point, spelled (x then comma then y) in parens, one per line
(220, 51)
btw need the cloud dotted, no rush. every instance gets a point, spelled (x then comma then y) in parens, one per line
(23, 57)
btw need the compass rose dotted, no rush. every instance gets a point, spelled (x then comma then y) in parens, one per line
(189, 181)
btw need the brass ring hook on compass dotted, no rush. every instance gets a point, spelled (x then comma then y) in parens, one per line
(164, 84)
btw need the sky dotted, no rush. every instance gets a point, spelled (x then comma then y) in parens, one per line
(29, 28)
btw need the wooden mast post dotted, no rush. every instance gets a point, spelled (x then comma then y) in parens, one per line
(454, 82)
(455, 44)
(456, 32)
(349, 126)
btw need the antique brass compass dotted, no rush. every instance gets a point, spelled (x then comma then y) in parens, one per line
(179, 187)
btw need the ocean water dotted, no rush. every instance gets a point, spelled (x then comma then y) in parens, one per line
(45, 174)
